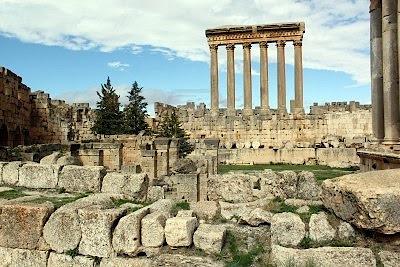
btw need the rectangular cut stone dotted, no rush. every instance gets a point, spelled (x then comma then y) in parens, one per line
(153, 234)
(131, 185)
(81, 178)
(22, 257)
(62, 260)
(2, 164)
(209, 238)
(11, 172)
(121, 262)
(21, 225)
(96, 226)
(179, 231)
(34, 175)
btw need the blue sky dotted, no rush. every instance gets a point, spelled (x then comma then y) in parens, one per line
(69, 49)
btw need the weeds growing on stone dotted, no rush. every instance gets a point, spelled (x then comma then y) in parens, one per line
(72, 252)
(58, 201)
(314, 209)
(183, 205)
(279, 206)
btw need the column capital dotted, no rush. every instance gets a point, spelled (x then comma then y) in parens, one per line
(213, 47)
(280, 43)
(230, 47)
(246, 45)
(263, 45)
(298, 43)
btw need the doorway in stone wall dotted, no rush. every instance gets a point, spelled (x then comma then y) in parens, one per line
(3, 135)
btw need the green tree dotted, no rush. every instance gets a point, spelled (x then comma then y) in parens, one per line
(135, 113)
(171, 127)
(109, 118)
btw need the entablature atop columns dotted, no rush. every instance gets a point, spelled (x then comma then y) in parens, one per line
(256, 33)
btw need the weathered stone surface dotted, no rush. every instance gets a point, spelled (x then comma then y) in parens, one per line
(287, 229)
(96, 225)
(287, 182)
(231, 187)
(51, 159)
(126, 236)
(2, 164)
(155, 193)
(131, 185)
(62, 230)
(63, 260)
(125, 262)
(153, 233)
(12, 257)
(185, 213)
(185, 261)
(11, 172)
(34, 175)
(206, 210)
(162, 205)
(81, 178)
(369, 200)
(307, 186)
(184, 166)
(320, 229)
(179, 231)
(323, 256)
(303, 209)
(345, 231)
(68, 160)
(232, 210)
(302, 202)
(21, 224)
(256, 217)
(389, 258)
(209, 238)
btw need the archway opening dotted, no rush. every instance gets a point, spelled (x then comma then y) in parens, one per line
(3, 135)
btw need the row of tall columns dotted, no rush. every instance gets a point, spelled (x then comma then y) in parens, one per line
(385, 70)
(247, 80)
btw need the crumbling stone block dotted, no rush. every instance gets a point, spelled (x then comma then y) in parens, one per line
(96, 225)
(81, 178)
(11, 172)
(21, 224)
(131, 185)
(287, 229)
(13, 257)
(51, 159)
(206, 210)
(153, 233)
(209, 238)
(320, 229)
(63, 260)
(179, 231)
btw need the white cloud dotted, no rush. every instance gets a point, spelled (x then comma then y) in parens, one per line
(337, 32)
(118, 65)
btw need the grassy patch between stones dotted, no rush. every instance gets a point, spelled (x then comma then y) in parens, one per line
(234, 257)
(314, 209)
(321, 172)
(12, 194)
(307, 242)
(58, 201)
(278, 205)
(183, 205)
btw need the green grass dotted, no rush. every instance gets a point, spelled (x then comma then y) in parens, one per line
(321, 172)
(307, 242)
(58, 201)
(314, 209)
(12, 194)
(183, 205)
(279, 206)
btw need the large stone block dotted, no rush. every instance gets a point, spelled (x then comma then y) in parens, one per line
(153, 233)
(21, 224)
(389, 258)
(206, 210)
(51, 159)
(97, 225)
(179, 231)
(11, 172)
(126, 236)
(369, 200)
(209, 238)
(125, 262)
(131, 185)
(287, 229)
(62, 231)
(307, 186)
(34, 175)
(81, 178)
(320, 229)
(2, 164)
(63, 260)
(12, 257)
(323, 256)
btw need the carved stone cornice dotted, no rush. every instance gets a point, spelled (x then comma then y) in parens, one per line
(298, 43)
(230, 47)
(246, 45)
(263, 45)
(280, 44)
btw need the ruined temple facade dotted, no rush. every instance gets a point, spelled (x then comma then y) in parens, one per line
(34, 118)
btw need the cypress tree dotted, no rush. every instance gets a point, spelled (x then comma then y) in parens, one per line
(135, 113)
(109, 118)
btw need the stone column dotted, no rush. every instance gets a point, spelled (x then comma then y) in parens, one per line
(298, 77)
(264, 78)
(376, 69)
(214, 80)
(390, 71)
(281, 77)
(231, 110)
(248, 109)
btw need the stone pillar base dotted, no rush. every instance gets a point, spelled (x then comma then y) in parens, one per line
(214, 113)
(231, 113)
(298, 110)
(388, 142)
(265, 111)
(247, 112)
(282, 111)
